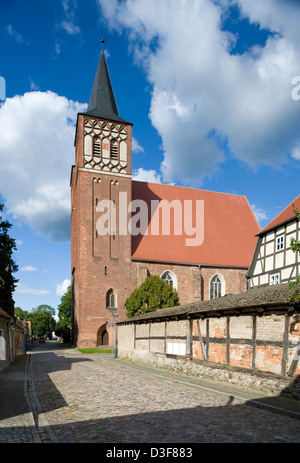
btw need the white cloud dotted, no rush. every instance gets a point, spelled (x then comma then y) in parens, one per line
(16, 35)
(136, 147)
(23, 289)
(36, 155)
(68, 24)
(203, 95)
(259, 213)
(70, 27)
(143, 175)
(28, 268)
(62, 287)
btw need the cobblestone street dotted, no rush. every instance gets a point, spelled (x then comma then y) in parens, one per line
(96, 399)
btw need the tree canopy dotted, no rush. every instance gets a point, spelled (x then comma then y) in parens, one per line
(154, 293)
(7, 265)
(42, 321)
(64, 324)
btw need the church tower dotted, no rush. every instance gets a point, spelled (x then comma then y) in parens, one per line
(100, 244)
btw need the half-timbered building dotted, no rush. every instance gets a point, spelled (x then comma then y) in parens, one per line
(274, 261)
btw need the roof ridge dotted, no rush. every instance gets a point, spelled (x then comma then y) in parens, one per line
(193, 188)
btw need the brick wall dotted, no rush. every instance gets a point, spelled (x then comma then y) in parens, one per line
(253, 343)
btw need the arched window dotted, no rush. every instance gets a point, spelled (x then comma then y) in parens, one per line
(110, 299)
(217, 287)
(114, 149)
(170, 278)
(96, 146)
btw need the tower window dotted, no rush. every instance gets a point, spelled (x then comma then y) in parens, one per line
(110, 299)
(96, 147)
(114, 149)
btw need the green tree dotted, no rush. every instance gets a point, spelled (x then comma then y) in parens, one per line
(21, 314)
(64, 325)
(295, 246)
(42, 320)
(7, 265)
(153, 294)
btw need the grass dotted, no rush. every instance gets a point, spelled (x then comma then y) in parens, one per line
(95, 350)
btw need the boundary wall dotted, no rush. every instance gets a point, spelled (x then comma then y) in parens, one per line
(251, 339)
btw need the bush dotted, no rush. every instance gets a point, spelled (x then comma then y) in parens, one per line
(153, 294)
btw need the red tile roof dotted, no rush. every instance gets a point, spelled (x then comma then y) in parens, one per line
(229, 228)
(3, 313)
(285, 216)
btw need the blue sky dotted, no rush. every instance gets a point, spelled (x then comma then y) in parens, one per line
(207, 85)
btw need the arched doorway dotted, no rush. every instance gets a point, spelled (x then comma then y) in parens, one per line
(105, 338)
(102, 336)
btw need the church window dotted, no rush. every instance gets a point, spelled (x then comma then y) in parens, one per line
(170, 278)
(216, 287)
(110, 299)
(96, 146)
(114, 149)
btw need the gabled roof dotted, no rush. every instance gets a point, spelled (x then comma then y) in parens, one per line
(229, 228)
(102, 101)
(268, 299)
(285, 216)
(4, 314)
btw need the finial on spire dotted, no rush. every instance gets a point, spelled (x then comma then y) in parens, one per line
(102, 41)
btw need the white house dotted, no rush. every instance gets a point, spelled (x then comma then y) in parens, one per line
(274, 261)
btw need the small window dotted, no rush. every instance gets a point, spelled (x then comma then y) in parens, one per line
(275, 279)
(110, 299)
(170, 278)
(167, 277)
(96, 146)
(279, 242)
(215, 287)
(114, 149)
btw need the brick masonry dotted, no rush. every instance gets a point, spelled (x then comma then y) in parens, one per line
(229, 346)
(103, 263)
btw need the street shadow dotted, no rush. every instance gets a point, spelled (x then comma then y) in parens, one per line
(288, 400)
(233, 422)
(12, 380)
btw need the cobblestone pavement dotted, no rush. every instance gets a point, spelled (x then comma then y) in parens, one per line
(96, 399)
(16, 420)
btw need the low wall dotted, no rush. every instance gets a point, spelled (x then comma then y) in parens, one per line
(260, 351)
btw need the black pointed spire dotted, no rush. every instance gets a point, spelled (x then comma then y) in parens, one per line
(102, 101)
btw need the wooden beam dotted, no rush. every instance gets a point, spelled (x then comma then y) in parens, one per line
(189, 339)
(285, 344)
(134, 334)
(228, 340)
(207, 339)
(201, 342)
(254, 334)
(295, 361)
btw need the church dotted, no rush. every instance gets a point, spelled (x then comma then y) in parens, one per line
(200, 242)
